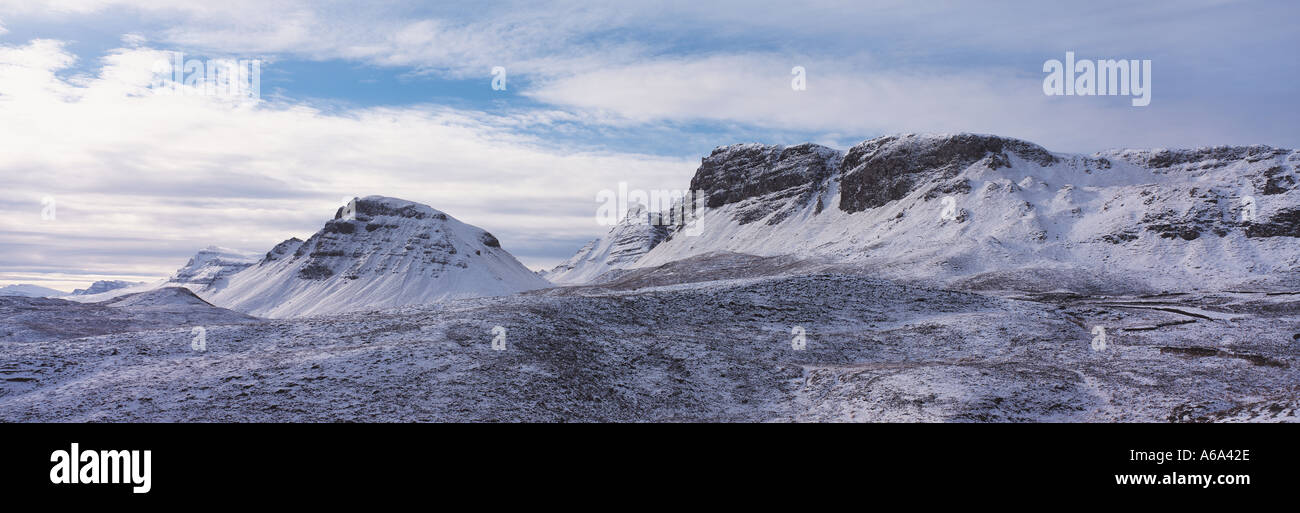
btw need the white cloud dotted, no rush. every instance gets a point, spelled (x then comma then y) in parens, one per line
(887, 66)
(134, 39)
(756, 89)
(170, 174)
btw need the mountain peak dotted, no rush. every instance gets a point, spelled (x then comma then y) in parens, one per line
(377, 252)
(372, 206)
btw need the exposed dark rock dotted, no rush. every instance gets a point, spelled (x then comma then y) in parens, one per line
(1119, 238)
(888, 168)
(340, 226)
(1204, 216)
(950, 188)
(368, 208)
(1285, 223)
(738, 172)
(1277, 181)
(315, 271)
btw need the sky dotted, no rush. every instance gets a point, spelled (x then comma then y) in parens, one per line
(397, 99)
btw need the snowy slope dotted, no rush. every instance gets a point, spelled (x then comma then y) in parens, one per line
(377, 252)
(633, 236)
(875, 351)
(1019, 217)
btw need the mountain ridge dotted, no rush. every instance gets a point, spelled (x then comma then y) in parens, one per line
(949, 207)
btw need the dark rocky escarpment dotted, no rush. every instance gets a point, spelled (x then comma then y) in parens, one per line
(885, 169)
(745, 172)
(871, 174)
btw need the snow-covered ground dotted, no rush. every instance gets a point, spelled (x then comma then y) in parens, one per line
(719, 350)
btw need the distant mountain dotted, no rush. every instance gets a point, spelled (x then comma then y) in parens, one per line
(377, 252)
(211, 267)
(633, 236)
(103, 286)
(25, 290)
(206, 272)
(989, 212)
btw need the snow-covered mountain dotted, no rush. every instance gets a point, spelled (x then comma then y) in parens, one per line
(634, 235)
(211, 268)
(206, 272)
(377, 252)
(27, 290)
(988, 212)
(102, 286)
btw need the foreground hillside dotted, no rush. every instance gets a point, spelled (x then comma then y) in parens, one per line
(703, 351)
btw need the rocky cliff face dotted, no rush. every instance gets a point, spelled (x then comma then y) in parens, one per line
(887, 169)
(761, 179)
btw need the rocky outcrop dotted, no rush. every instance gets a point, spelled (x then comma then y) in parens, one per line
(887, 168)
(1284, 223)
(760, 177)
